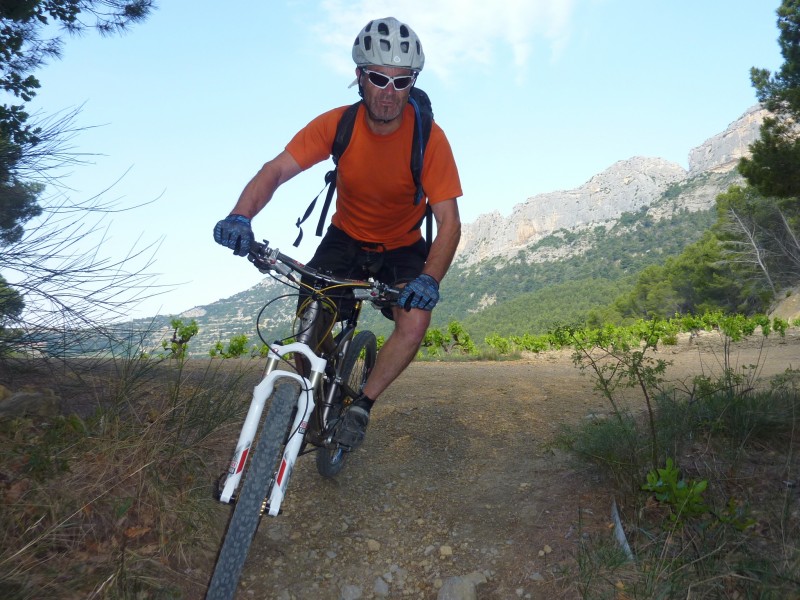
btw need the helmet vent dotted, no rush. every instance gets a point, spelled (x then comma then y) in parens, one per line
(404, 47)
(383, 28)
(367, 43)
(385, 45)
(404, 31)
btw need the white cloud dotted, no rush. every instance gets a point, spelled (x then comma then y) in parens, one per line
(454, 33)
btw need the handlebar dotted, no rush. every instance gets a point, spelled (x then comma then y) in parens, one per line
(267, 259)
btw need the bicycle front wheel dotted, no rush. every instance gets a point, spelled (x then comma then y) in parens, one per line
(257, 479)
(357, 366)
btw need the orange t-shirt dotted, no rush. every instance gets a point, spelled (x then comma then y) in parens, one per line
(375, 187)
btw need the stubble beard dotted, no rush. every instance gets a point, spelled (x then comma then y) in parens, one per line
(384, 112)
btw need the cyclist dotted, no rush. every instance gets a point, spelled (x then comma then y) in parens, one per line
(376, 223)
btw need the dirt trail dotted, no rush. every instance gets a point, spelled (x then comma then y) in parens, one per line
(457, 476)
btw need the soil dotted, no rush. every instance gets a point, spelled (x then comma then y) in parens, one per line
(459, 476)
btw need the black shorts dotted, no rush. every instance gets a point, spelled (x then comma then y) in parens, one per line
(342, 256)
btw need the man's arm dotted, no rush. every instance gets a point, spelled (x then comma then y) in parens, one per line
(260, 189)
(448, 233)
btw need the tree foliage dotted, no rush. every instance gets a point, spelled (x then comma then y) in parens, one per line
(773, 167)
(699, 279)
(455, 339)
(759, 234)
(182, 333)
(11, 306)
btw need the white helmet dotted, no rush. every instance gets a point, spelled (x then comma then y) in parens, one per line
(388, 43)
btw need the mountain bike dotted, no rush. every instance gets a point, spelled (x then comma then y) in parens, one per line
(309, 381)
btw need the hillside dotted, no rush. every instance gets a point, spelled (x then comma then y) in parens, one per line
(625, 187)
(559, 277)
(633, 214)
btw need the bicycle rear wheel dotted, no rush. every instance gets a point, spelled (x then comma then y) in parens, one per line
(357, 366)
(257, 479)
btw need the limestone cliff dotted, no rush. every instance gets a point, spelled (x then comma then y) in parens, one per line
(626, 186)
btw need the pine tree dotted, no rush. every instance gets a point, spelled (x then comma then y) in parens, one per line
(774, 167)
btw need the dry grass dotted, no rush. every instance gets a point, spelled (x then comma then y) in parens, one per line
(116, 502)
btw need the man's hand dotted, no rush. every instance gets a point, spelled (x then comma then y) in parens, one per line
(234, 232)
(422, 293)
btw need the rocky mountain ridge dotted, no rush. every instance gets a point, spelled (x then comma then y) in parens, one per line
(626, 186)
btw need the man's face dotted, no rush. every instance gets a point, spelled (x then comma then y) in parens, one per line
(384, 105)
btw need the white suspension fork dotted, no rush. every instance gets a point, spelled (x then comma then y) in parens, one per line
(304, 409)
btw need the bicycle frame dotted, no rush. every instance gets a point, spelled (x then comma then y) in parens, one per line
(304, 410)
(314, 333)
(266, 260)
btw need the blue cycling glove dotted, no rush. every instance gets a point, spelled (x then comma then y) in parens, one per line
(422, 293)
(234, 232)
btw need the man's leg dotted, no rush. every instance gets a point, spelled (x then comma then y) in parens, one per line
(394, 356)
(399, 349)
(398, 267)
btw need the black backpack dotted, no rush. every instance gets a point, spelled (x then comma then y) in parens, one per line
(423, 113)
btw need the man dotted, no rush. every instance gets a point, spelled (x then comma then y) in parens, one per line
(375, 211)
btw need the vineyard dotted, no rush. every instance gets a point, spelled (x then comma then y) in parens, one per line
(456, 342)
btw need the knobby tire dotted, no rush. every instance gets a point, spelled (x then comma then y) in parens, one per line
(357, 365)
(266, 453)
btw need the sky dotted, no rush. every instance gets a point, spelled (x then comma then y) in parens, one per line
(534, 96)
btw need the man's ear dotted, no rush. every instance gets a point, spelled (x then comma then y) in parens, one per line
(357, 81)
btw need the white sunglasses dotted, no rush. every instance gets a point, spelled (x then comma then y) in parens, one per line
(379, 80)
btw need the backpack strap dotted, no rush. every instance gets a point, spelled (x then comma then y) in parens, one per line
(344, 130)
(423, 122)
(330, 176)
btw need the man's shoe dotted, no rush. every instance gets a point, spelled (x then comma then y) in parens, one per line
(353, 428)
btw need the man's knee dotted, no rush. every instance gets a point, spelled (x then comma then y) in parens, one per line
(412, 325)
